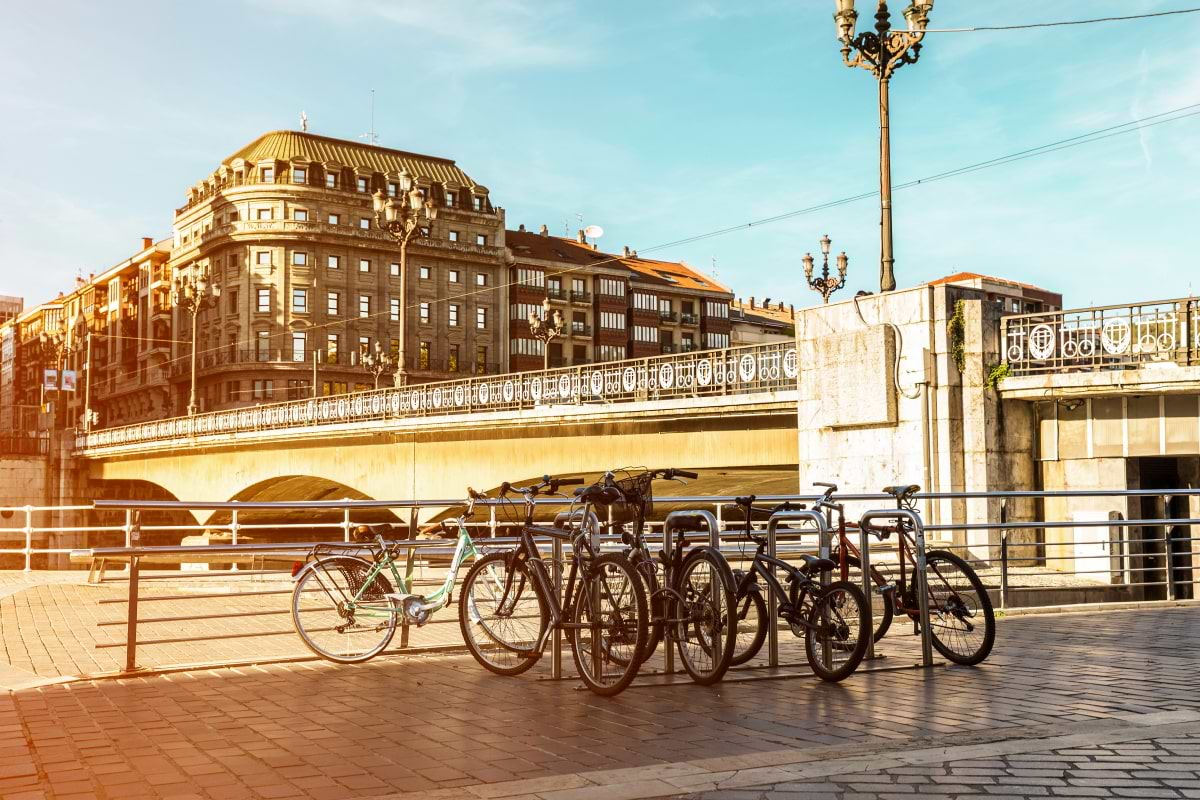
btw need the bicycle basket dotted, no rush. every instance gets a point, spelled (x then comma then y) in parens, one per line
(636, 486)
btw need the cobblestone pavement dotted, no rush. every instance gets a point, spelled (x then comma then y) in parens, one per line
(439, 726)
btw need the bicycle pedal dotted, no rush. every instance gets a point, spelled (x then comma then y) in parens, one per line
(887, 587)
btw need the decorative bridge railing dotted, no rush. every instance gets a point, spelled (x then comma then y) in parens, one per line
(1105, 337)
(754, 369)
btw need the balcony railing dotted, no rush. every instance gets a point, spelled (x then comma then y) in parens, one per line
(581, 329)
(1103, 338)
(581, 297)
(667, 316)
(687, 347)
(17, 444)
(668, 348)
(689, 319)
(555, 292)
(756, 369)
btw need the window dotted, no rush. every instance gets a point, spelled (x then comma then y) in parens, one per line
(481, 279)
(713, 308)
(364, 223)
(233, 215)
(452, 359)
(394, 349)
(450, 198)
(643, 333)
(481, 318)
(423, 356)
(612, 287)
(531, 277)
(392, 189)
(262, 345)
(364, 183)
(578, 286)
(454, 276)
(299, 259)
(424, 230)
(395, 269)
(232, 390)
(424, 313)
(334, 262)
(554, 287)
(608, 352)
(364, 265)
(298, 390)
(454, 236)
(300, 214)
(579, 322)
(395, 309)
(364, 346)
(233, 301)
(299, 301)
(523, 310)
(480, 359)
(645, 302)
(331, 348)
(299, 338)
(333, 303)
(453, 315)
(264, 389)
(664, 307)
(612, 321)
(364, 305)
(424, 273)
(525, 347)
(299, 175)
(481, 239)
(268, 174)
(335, 387)
(264, 300)
(716, 340)
(263, 258)
(262, 213)
(478, 203)
(334, 219)
(331, 180)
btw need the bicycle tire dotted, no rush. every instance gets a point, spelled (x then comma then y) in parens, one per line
(710, 613)
(328, 584)
(497, 637)
(845, 622)
(881, 603)
(596, 644)
(752, 627)
(938, 564)
(658, 607)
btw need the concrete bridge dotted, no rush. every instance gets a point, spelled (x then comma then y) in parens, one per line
(724, 409)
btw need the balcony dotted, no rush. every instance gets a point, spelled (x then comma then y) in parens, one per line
(689, 319)
(581, 329)
(582, 298)
(556, 362)
(687, 347)
(555, 293)
(667, 316)
(668, 349)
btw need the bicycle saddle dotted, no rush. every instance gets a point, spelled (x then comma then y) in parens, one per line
(367, 533)
(599, 495)
(899, 492)
(683, 521)
(814, 564)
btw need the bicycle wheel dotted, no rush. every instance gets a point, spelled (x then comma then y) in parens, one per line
(502, 630)
(612, 616)
(658, 607)
(881, 603)
(835, 639)
(707, 636)
(337, 616)
(963, 624)
(751, 611)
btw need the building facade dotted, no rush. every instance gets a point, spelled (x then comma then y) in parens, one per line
(758, 323)
(309, 283)
(613, 306)
(1013, 297)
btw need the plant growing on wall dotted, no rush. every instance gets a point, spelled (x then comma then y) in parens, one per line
(996, 374)
(957, 328)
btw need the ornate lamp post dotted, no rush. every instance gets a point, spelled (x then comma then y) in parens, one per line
(546, 327)
(882, 53)
(826, 285)
(377, 362)
(193, 294)
(402, 221)
(88, 417)
(56, 348)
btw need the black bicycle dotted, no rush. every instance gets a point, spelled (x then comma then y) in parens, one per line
(832, 618)
(509, 605)
(691, 606)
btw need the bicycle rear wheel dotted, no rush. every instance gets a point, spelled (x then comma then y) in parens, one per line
(963, 623)
(502, 622)
(835, 639)
(658, 607)
(707, 636)
(881, 603)
(340, 618)
(751, 614)
(612, 616)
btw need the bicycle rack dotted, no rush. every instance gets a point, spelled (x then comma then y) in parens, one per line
(922, 590)
(714, 540)
(823, 550)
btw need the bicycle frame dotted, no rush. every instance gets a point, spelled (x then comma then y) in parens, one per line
(765, 565)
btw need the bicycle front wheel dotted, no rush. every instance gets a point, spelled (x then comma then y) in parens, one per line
(750, 614)
(502, 617)
(610, 624)
(707, 633)
(881, 603)
(963, 623)
(338, 616)
(835, 639)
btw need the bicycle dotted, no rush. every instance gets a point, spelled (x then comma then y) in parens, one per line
(345, 608)
(693, 604)
(510, 606)
(831, 618)
(958, 601)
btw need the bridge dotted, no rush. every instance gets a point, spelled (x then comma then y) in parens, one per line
(432, 440)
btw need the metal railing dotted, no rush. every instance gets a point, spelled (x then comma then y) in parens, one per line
(1104, 337)
(754, 369)
(23, 445)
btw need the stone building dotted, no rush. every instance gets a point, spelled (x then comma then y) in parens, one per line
(286, 227)
(756, 323)
(614, 306)
(1014, 297)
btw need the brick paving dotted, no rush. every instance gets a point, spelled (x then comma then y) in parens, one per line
(440, 726)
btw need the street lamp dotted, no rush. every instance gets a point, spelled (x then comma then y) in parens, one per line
(56, 348)
(826, 285)
(377, 363)
(546, 327)
(882, 53)
(402, 220)
(194, 293)
(89, 417)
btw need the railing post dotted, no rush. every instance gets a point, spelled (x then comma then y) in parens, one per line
(1004, 554)
(492, 520)
(346, 523)
(135, 536)
(28, 537)
(128, 527)
(923, 595)
(772, 602)
(1167, 548)
(233, 530)
(556, 556)
(864, 550)
(409, 565)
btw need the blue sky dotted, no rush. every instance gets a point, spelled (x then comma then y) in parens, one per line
(657, 120)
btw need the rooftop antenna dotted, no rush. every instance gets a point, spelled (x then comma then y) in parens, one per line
(714, 266)
(567, 227)
(303, 122)
(370, 136)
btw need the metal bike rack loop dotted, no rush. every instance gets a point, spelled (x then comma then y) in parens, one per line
(670, 525)
(823, 550)
(922, 589)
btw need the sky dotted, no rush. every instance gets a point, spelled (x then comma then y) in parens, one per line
(658, 121)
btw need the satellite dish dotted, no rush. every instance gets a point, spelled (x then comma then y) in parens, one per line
(593, 231)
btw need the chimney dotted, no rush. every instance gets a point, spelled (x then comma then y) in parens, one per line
(633, 253)
(767, 303)
(792, 309)
(752, 301)
(781, 305)
(582, 239)
(625, 250)
(544, 231)
(147, 242)
(521, 227)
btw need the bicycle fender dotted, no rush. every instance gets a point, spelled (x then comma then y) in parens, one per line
(326, 559)
(753, 586)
